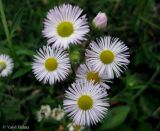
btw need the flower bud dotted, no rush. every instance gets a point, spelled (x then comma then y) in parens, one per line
(75, 56)
(74, 127)
(57, 113)
(100, 21)
(44, 112)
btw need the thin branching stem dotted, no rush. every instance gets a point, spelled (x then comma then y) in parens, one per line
(148, 83)
(5, 26)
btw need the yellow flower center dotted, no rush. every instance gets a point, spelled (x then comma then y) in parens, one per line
(107, 56)
(93, 76)
(51, 63)
(65, 29)
(85, 102)
(76, 128)
(2, 65)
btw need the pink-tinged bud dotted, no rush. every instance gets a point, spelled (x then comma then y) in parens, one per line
(100, 21)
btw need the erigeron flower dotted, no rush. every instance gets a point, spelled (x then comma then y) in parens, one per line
(44, 112)
(65, 25)
(87, 72)
(85, 103)
(51, 65)
(57, 113)
(100, 21)
(108, 55)
(74, 127)
(6, 65)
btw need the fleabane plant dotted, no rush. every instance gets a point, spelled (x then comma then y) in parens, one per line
(86, 100)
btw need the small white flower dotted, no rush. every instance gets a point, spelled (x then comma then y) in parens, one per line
(65, 25)
(87, 72)
(44, 112)
(6, 65)
(57, 113)
(108, 55)
(100, 21)
(51, 65)
(74, 127)
(85, 103)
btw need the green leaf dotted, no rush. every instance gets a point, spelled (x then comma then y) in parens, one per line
(24, 52)
(49, 100)
(148, 104)
(11, 110)
(144, 126)
(116, 116)
(33, 96)
(21, 72)
(17, 20)
(123, 127)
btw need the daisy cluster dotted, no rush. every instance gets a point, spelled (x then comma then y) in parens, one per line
(86, 101)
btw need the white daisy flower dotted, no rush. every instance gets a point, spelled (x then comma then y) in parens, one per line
(6, 65)
(51, 65)
(87, 72)
(85, 103)
(65, 25)
(108, 55)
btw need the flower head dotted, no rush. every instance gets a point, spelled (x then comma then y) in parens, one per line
(100, 21)
(108, 55)
(57, 113)
(6, 65)
(44, 112)
(85, 103)
(51, 65)
(87, 72)
(65, 24)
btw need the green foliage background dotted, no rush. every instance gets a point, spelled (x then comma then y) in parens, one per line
(134, 97)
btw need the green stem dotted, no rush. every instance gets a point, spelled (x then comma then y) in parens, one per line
(69, 53)
(157, 127)
(5, 26)
(145, 87)
(150, 23)
(9, 97)
(117, 95)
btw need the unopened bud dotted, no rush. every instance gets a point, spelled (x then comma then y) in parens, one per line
(75, 56)
(100, 21)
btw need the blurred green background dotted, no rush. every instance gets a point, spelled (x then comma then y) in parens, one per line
(134, 97)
